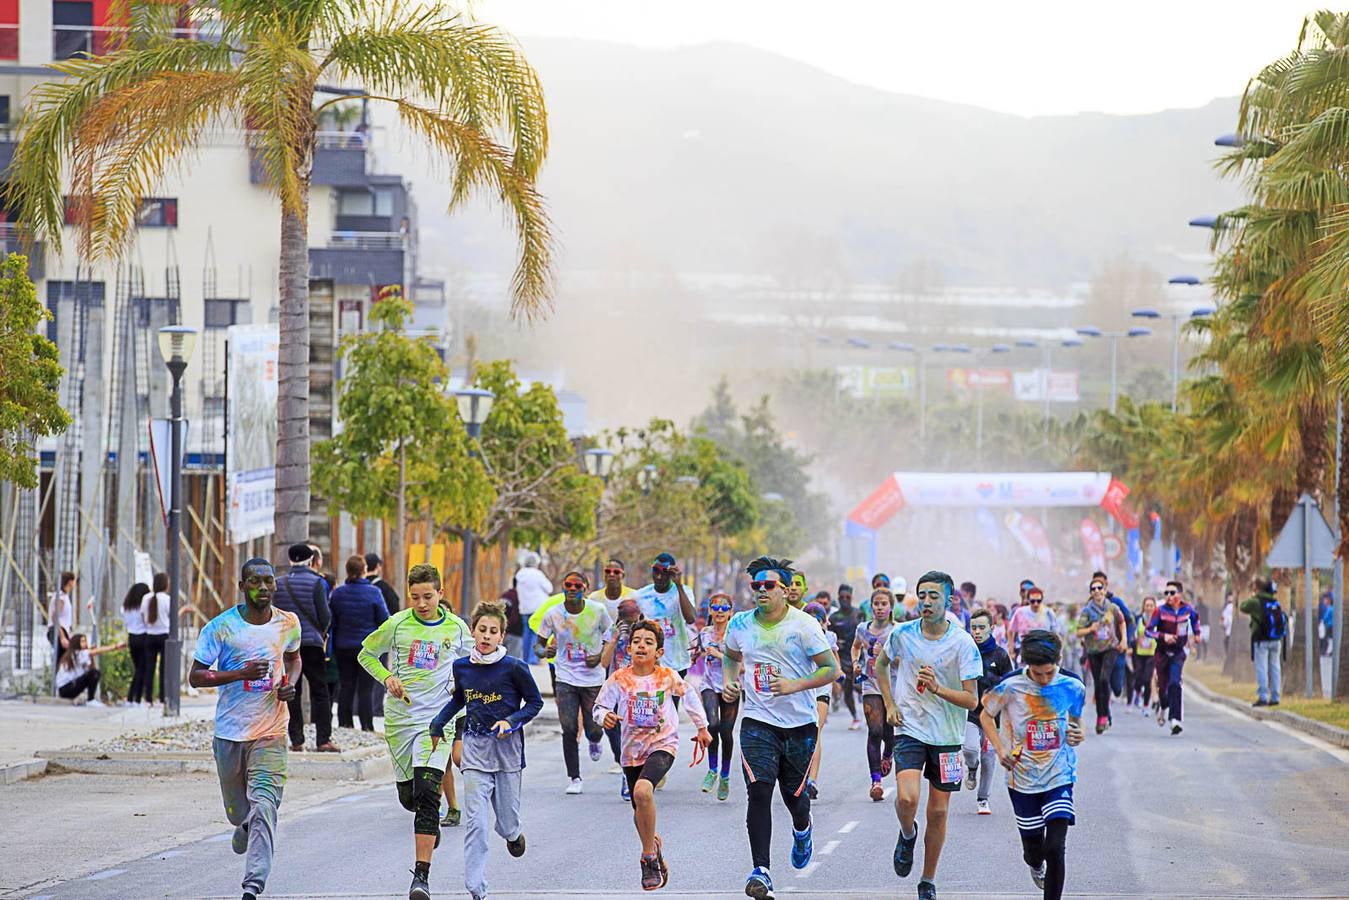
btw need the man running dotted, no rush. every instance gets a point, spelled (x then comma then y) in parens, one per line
(1101, 628)
(843, 622)
(785, 659)
(665, 602)
(255, 649)
(1173, 625)
(614, 590)
(423, 641)
(979, 755)
(1034, 615)
(1040, 708)
(939, 668)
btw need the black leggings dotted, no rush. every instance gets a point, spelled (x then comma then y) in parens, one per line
(1048, 845)
(721, 725)
(421, 797)
(880, 733)
(849, 691)
(759, 816)
(86, 682)
(154, 658)
(1102, 664)
(1143, 678)
(355, 685)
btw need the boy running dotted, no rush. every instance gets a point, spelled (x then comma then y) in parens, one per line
(786, 660)
(720, 714)
(866, 648)
(500, 697)
(255, 649)
(615, 656)
(1041, 711)
(979, 755)
(938, 669)
(422, 641)
(665, 602)
(640, 699)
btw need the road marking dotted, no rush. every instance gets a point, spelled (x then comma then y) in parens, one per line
(805, 873)
(830, 848)
(848, 827)
(106, 873)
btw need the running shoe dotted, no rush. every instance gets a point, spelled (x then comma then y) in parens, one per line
(971, 778)
(927, 890)
(877, 791)
(420, 889)
(451, 818)
(1260, 703)
(759, 885)
(651, 877)
(624, 790)
(855, 726)
(709, 781)
(982, 808)
(660, 861)
(811, 790)
(574, 787)
(887, 763)
(595, 751)
(516, 847)
(239, 843)
(904, 853)
(1101, 725)
(660, 785)
(1037, 875)
(1175, 727)
(615, 769)
(723, 788)
(1161, 714)
(802, 847)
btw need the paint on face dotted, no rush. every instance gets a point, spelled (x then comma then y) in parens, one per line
(772, 594)
(933, 600)
(979, 629)
(1043, 673)
(643, 648)
(258, 585)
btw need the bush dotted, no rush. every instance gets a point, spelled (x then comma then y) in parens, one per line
(117, 670)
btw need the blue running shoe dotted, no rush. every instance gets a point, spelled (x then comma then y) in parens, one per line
(802, 847)
(624, 791)
(759, 885)
(904, 853)
(927, 890)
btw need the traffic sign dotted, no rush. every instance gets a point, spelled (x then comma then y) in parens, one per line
(1305, 541)
(1114, 547)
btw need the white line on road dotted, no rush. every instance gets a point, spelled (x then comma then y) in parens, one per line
(847, 827)
(805, 873)
(829, 848)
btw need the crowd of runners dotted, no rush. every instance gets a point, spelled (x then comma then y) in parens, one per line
(950, 691)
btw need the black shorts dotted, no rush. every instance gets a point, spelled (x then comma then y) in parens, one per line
(772, 753)
(656, 767)
(911, 753)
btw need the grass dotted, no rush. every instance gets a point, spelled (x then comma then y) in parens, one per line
(1210, 675)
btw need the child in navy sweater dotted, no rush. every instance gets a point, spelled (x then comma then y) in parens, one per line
(499, 696)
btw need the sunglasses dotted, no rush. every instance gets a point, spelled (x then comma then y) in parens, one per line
(1170, 593)
(1098, 587)
(1034, 600)
(573, 585)
(613, 571)
(662, 569)
(720, 607)
(764, 585)
(930, 595)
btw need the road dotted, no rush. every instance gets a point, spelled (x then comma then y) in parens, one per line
(1231, 808)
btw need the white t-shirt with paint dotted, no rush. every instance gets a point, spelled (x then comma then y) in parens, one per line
(787, 650)
(954, 657)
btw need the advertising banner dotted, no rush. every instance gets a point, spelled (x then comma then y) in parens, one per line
(1003, 488)
(989, 379)
(250, 457)
(1031, 535)
(1093, 545)
(875, 381)
(1030, 386)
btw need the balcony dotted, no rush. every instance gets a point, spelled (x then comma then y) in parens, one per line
(73, 40)
(13, 239)
(339, 159)
(368, 240)
(360, 257)
(366, 224)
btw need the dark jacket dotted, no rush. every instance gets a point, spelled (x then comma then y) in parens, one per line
(1254, 607)
(490, 692)
(358, 609)
(391, 601)
(303, 592)
(997, 666)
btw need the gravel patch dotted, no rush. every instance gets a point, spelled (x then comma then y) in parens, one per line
(189, 737)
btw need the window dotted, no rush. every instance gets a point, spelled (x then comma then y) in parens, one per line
(4, 98)
(384, 201)
(72, 29)
(222, 313)
(156, 212)
(355, 203)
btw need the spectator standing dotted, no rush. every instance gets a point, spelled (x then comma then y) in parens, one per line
(357, 608)
(1269, 627)
(374, 572)
(76, 673)
(1228, 610)
(155, 612)
(61, 616)
(135, 640)
(304, 593)
(515, 624)
(533, 588)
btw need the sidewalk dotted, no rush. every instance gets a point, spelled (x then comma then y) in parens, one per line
(1319, 718)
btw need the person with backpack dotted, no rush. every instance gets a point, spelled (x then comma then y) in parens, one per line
(1269, 627)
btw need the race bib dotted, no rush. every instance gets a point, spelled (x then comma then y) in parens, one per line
(644, 710)
(667, 625)
(424, 655)
(575, 652)
(871, 667)
(262, 685)
(1043, 735)
(763, 674)
(1102, 632)
(952, 769)
(1147, 644)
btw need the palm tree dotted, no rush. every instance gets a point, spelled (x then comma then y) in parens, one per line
(117, 121)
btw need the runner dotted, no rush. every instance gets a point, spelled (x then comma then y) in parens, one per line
(796, 591)
(423, 641)
(720, 714)
(785, 659)
(979, 755)
(1144, 651)
(640, 698)
(615, 656)
(1119, 675)
(878, 581)
(1030, 617)
(939, 667)
(1174, 624)
(821, 701)
(665, 602)
(843, 621)
(1101, 628)
(499, 697)
(866, 648)
(255, 649)
(1040, 708)
(576, 628)
(614, 591)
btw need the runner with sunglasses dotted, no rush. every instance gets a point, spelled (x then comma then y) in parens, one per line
(614, 590)
(1033, 616)
(576, 628)
(1101, 628)
(866, 648)
(938, 666)
(786, 659)
(1174, 625)
(666, 602)
(720, 714)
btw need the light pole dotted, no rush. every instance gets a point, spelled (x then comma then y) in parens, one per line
(1200, 312)
(176, 343)
(474, 406)
(599, 463)
(646, 478)
(1114, 336)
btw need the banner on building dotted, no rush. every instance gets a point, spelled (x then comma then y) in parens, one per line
(1030, 386)
(1093, 544)
(1032, 537)
(988, 379)
(250, 458)
(875, 381)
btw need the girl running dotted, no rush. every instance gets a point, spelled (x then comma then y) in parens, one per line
(1144, 649)
(866, 647)
(822, 700)
(720, 714)
(641, 699)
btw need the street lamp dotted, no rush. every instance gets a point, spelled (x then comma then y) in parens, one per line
(599, 463)
(176, 343)
(646, 478)
(474, 406)
(1114, 336)
(1200, 312)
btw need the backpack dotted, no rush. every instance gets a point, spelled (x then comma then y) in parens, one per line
(1275, 622)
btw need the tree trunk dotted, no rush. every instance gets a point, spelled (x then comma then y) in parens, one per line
(397, 562)
(503, 556)
(292, 395)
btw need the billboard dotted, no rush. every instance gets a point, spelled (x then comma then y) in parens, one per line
(250, 456)
(875, 381)
(1030, 386)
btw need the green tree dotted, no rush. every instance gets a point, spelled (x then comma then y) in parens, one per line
(30, 375)
(119, 121)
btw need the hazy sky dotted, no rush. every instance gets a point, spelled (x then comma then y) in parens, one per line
(1032, 57)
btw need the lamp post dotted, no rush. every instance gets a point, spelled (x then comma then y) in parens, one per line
(646, 477)
(599, 463)
(1114, 336)
(474, 406)
(1200, 312)
(176, 343)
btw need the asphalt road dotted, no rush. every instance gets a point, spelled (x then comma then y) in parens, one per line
(1231, 808)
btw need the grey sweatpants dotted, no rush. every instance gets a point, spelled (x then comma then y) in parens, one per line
(486, 793)
(985, 761)
(252, 776)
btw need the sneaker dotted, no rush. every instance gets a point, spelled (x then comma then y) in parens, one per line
(1101, 725)
(575, 786)
(660, 785)
(723, 788)
(1038, 876)
(624, 791)
(887, 763)
(877, 791)
(451, 819)
(595, 751)
(1175, 727)
(651, 877)
(1274, 703)
(927, 890)
(802, 847)
(1161, 715)
(709, 781)
(856, 725)
(759, 884)
(982, 808)
(660, 861)
(811, 790)
(904, 853)
(95, 702)
(971, 778)
(516, 847)
(1260, 703)
(615, 769)
(420, 889)
(239, 843)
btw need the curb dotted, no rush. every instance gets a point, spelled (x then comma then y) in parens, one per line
(1338, 737)
(367, 764)
(18, 771)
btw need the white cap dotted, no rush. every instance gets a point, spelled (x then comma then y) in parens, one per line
(899, 586)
